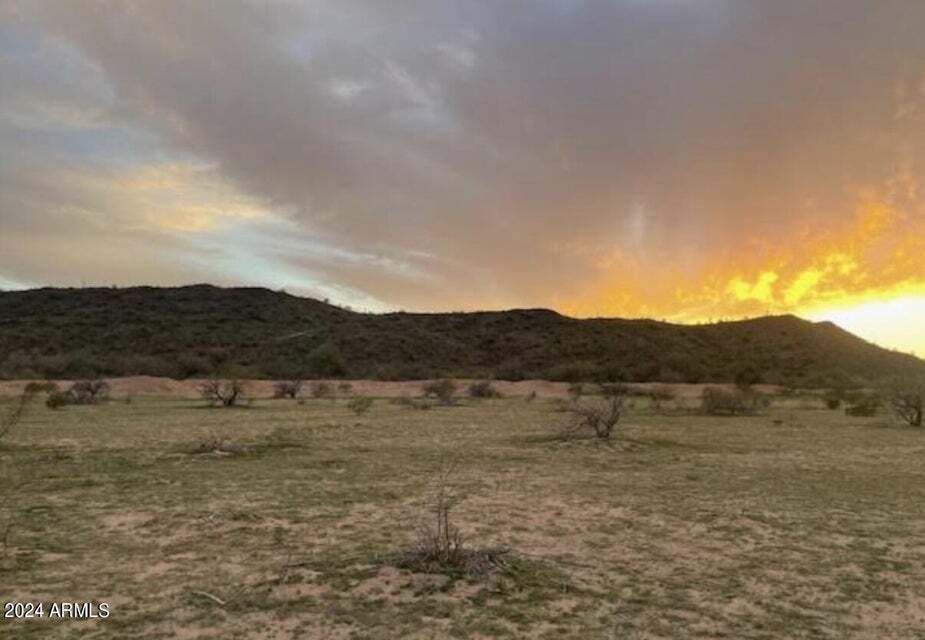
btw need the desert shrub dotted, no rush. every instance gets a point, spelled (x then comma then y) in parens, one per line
(288, 388)
(88, 392)
(320, 390)
(717, 401)
(345, 388)
(576, 390)
(833, 398)
(594, 419)
(442, 390)
(360, 405)
(907, 405)
(863, 405)
(483, 389)
(222, 393)
(57, 399)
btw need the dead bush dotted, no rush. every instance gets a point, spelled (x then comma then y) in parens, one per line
(288, 388)
(360, 405)
(223, 393)
(442, 390)
(594, 419)
(439, 546)
(483, 389)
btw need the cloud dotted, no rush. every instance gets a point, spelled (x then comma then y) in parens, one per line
(683, 159)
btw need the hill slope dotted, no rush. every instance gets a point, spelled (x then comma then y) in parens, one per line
(204, 330)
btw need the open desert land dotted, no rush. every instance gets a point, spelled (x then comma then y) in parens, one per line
(289, 519)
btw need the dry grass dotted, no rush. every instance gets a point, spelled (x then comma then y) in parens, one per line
(800, 523)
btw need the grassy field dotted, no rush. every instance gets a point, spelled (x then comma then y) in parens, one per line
(798, 523)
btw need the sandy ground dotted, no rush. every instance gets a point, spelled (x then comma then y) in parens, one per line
(170, 388)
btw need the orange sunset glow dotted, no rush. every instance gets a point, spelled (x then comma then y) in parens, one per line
(687, 161)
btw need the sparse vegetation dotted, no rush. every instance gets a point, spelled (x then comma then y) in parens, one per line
(603, 532)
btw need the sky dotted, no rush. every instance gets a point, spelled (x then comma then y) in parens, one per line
(686, 160)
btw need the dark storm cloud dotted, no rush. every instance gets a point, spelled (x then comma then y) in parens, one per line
(514, 153)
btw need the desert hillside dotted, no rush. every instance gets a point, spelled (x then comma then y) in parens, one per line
(202, 330)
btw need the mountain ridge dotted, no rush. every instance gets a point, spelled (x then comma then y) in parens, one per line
(202, 329)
